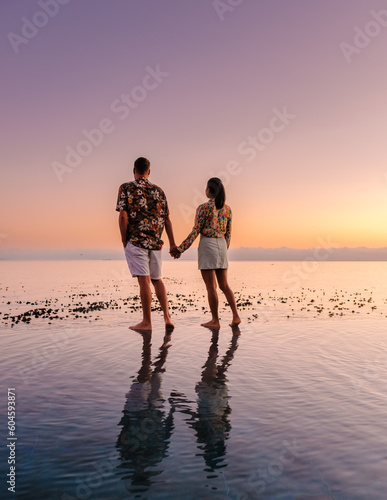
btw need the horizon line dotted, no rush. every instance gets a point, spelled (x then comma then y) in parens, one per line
(279, 254)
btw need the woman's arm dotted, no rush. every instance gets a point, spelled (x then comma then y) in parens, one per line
(199, 221)
(227, 234)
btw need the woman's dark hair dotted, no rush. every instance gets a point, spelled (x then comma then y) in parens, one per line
(216, 188)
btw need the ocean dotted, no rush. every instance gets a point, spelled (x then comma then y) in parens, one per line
(289, 406)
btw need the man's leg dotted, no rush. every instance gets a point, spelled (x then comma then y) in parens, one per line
(161, 294)
(146, 301)
(138, 262)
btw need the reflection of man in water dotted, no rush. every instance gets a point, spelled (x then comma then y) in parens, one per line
(146, 429)
(211, 420)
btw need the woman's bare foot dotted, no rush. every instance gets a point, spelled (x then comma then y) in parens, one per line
(143, 326)
(211, 324)
(235, 321)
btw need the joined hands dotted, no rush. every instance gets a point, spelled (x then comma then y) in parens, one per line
(175, 252)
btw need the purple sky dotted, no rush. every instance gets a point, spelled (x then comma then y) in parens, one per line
(221, 85)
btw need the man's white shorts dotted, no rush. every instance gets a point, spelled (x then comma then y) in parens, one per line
(143, 262)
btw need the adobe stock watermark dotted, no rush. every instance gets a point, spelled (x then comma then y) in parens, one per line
(94, 479)
(248, 148)
(31, 27)
(364, 36)
(121, 107)
(223, 7)
(263, 477)
(41, 357)
(3, 236)
(372, 371)
(138, 437)
(302, 271)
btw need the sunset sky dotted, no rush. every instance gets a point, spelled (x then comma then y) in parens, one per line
(262, 93)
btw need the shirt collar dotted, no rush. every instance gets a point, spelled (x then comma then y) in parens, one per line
(141, 179)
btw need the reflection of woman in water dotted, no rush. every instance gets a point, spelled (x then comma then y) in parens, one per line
(146, 428)
(211, 420)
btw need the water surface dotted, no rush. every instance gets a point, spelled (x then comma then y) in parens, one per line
(292, 406)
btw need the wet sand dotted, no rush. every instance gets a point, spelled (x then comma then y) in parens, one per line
(94, 306)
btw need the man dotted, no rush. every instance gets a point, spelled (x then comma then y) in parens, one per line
(143, 215)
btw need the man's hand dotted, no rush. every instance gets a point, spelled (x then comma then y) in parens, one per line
(175, 252)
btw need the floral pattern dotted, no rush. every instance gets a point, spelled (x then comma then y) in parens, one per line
(147, 209)
(210, 222)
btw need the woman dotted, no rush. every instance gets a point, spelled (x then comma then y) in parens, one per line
(213, 222)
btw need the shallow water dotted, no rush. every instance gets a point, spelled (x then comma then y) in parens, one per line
(287, 408)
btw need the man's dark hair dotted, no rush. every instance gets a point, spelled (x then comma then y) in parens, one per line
(142, 165)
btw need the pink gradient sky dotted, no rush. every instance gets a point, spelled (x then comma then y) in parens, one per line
(323, 174)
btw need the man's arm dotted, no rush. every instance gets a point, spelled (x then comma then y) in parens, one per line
(169, 231)
(123, 223)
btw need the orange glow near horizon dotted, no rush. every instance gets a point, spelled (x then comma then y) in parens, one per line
(74, 230)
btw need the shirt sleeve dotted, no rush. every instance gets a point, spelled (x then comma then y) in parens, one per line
(122, 202)
(199, 221)
(227, 234)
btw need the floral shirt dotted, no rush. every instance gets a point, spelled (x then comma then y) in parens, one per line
(210, 222)
(147, 209)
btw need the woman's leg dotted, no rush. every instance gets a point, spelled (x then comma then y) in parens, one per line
(209, 279)
(221, 275)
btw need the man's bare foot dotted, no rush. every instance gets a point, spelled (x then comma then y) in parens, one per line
(168, 323)
(143, 326)
(235, 321)
(211, 324)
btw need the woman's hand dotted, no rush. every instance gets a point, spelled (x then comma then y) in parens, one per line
(175, 252)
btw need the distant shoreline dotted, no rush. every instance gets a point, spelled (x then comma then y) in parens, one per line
(250, 254)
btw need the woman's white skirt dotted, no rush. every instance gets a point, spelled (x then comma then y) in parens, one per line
(212, 253)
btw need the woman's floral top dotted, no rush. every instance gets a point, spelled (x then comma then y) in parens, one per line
(147, 208)
(210, 222)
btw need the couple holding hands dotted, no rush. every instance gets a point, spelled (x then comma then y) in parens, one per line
(143, 215)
